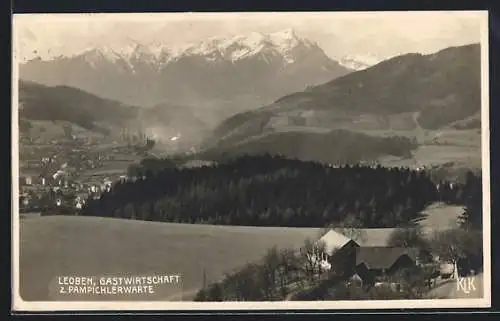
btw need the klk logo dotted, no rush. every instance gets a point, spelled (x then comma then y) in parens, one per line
(466, 285)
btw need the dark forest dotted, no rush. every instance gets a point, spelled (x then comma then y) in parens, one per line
(275, 191)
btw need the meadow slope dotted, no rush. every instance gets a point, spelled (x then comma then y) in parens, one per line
(53, 246)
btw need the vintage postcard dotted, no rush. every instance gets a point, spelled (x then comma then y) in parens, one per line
(229, 161)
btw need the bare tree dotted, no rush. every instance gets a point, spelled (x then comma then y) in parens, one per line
(456, 244)
(311, 254)
(246, 283)
(270, 272)
(288, 265)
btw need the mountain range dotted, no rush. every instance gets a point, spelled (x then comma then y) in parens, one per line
(404, 94)
(232, 74)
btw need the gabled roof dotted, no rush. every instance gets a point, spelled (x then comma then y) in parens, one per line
(372, 236)
(379, 236)
(376, 257)
(334, 240)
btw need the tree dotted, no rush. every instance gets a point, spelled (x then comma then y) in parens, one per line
(150, 143)
(244, 284)
(215, 293)
(310, 258)
(351, 227)
(134, 170)
(473, 214)
(458, 244)
(288, 265)
(270, 272)
(274, 191)
(413, 280)
(129, 211)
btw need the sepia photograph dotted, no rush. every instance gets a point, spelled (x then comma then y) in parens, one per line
(243, 161)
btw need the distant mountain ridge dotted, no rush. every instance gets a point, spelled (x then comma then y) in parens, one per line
(397, 97)
(39, 102)
(360, 62)
(95, 114)
(428, 91)
(240, 71)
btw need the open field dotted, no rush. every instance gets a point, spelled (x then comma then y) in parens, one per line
(436, 155)
(55, 246)
(115, 167)
(436, 147)
(440, 216)
(48, 130)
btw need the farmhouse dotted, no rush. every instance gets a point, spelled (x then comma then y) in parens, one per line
(339, 253)
(366, 254)
(376, 263)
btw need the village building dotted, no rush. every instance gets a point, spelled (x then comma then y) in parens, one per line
(339, 253)
(79, 202)
(366, 257)
(25, 180)
(375, 264)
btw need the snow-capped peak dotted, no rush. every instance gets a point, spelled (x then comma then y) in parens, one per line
(126, 51)
(232, 48)
(238, 47)
(285, 37)
(359, 62)
(106, 52)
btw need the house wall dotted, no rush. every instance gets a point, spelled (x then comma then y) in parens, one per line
(368, 276)
(344, 259)
(403, 262)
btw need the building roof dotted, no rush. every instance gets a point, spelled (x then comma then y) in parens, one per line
(334, 240)
(369, 236)
(378, 257)
(379, 236)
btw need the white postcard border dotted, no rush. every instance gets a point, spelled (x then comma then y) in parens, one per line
(18, 304)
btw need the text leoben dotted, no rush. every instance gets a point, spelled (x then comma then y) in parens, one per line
(114, 285)
(75, 280)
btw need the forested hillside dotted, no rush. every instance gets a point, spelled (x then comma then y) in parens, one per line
(439, 90)
(275, 191)
(338, 146)
(39, 102)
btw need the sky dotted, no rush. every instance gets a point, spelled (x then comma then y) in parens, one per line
(381, 34)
